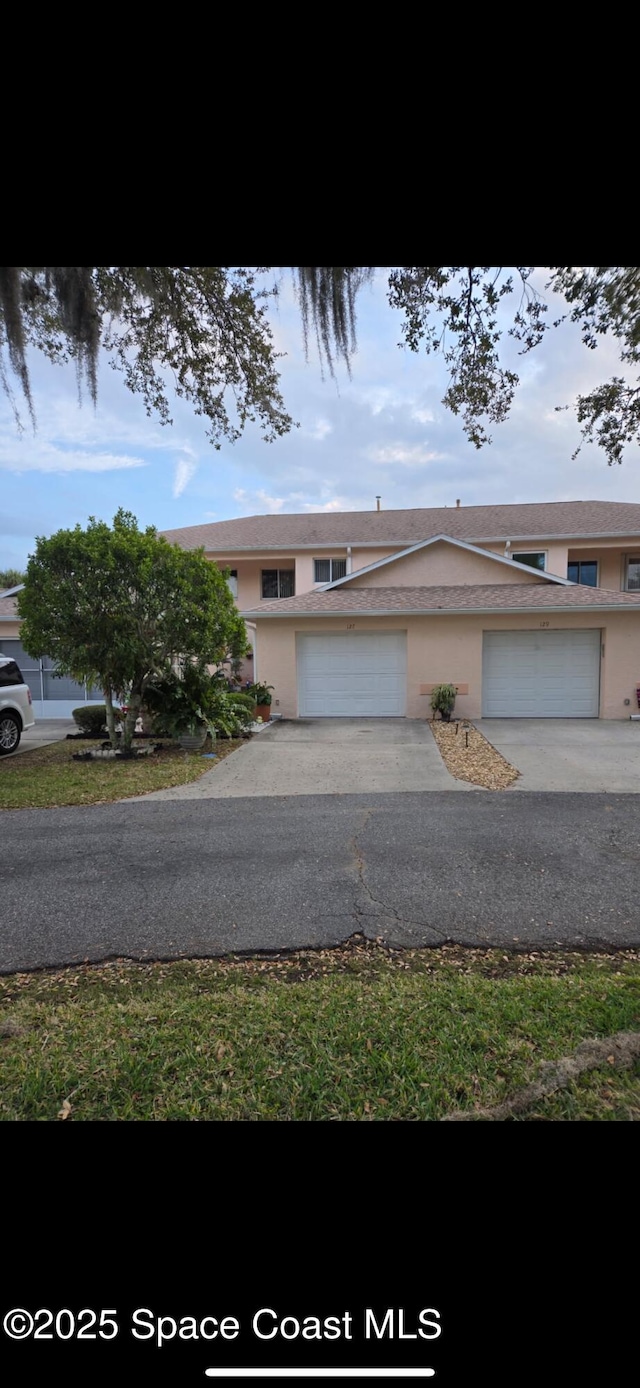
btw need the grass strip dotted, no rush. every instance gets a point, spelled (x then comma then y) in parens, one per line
(358, 1033)
(48, 776)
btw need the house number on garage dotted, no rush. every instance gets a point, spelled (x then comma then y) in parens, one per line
(544, 624)
(351, 626)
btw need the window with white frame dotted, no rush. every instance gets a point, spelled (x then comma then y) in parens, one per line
(328, 570)
(632, 573)
(232, 581)
(535, 559)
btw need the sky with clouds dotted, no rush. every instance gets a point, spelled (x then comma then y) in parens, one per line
(383, 431)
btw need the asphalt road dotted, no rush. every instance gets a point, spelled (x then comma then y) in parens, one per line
(197, 878)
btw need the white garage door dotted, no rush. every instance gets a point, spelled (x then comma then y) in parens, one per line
(352, 674)
(540, 674)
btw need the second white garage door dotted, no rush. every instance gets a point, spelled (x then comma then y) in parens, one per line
(352, 674)
(540, 674)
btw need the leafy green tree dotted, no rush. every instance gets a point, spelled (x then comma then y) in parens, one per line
(208, 326)
(467, 312)
(205, 325)
(10, 578)
(117, 606)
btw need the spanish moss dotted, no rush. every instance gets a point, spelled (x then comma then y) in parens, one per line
(12, 332)
(74, 294)
(327, 297)
(203, 327)
(61, 300)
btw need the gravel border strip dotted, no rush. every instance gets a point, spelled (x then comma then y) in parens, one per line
(468, 755)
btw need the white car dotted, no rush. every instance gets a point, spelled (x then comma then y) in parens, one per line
(16, 710)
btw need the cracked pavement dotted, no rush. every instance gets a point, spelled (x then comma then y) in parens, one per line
(149, 880)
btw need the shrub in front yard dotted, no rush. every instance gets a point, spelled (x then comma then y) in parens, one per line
(232, 713)
(206, 698)
(91, 719)
(243, 700)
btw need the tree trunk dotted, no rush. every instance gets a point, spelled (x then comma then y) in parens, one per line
(135, 704)
(111, 718)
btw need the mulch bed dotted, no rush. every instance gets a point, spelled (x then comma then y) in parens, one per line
(469, 757)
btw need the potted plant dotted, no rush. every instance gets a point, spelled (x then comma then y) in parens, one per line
(262, 695)
(443, 697)
(192, 735)
(189, 726)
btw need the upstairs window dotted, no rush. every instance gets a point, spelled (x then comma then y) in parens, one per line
(632, 574)
(583, 571)
(278, 583)
(328, 570)
(232, 582)
(536, 559)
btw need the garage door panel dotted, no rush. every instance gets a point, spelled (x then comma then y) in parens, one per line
(352, 674)
(541, 674)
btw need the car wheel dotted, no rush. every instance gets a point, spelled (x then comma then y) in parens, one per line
(9, 733)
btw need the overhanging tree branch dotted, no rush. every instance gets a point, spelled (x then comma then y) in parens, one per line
(208, 326)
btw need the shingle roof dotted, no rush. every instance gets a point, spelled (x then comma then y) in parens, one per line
(8, 607)
(532, 520)
(462, 597)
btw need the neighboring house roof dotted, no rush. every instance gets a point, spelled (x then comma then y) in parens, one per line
(8, 607)
(462, 597)
(459, 544)
(534, 520)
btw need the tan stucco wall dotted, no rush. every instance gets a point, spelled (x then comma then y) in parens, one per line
(442, 563)
(611, 562)
(10, 629)
(362, 557)
(250, 575)
(305, 580)
(609, 553)
(609, 566)
(449, 648)
(556, 553)
(249, 568)
(305, 571)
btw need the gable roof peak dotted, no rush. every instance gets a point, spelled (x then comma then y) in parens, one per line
(459, 544)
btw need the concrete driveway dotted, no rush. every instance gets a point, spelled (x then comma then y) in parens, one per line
(327, 756)
(568, 754)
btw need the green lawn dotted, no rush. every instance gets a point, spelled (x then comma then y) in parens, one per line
(355, 1033)
(49, 776)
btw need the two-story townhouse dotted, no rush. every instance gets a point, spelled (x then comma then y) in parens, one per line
(532, 610)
